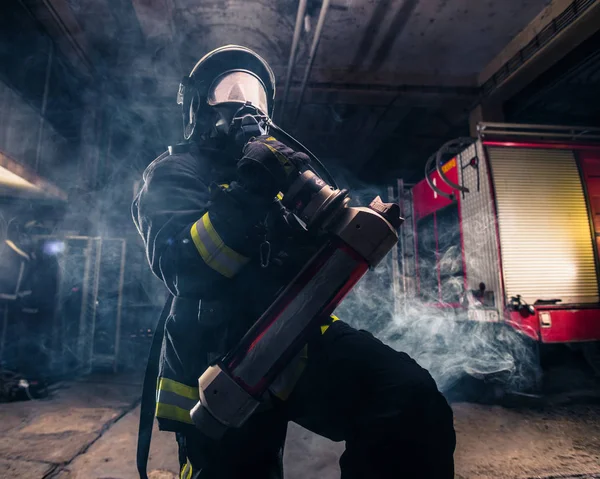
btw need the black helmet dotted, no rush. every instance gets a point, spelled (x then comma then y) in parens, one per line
(229, 75)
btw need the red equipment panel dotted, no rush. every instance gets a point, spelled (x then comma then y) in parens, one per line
(426, 201)
(568, 325)
(555, 325)
(524, 322)
(427, 204)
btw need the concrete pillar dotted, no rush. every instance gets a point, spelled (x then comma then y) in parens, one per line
(485, 112)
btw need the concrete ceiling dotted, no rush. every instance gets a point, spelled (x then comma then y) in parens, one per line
(389, 42)
(394, 76)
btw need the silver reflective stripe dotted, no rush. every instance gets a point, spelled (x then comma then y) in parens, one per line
(215, 253)
(173, 399)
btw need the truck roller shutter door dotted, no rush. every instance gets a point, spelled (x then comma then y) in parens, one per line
(545, 238)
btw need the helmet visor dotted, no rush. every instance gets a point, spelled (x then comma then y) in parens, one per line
(238, 86)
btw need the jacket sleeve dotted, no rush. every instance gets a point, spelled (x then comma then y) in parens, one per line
(196, 240)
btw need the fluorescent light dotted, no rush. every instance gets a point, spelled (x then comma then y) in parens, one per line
(8, 178)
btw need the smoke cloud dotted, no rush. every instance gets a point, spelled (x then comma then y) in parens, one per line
(92, 139)
(122, 126)
(440, 339)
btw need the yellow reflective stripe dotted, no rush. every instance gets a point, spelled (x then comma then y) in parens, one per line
(280, 196)
(198, 243)
(166, 384)
(215, 253)
(324, 328)
(186, 471)
(174, 413)
(174, 400)
(222, 185)
(212, 232)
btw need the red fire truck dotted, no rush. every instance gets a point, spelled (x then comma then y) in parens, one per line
(505, 229)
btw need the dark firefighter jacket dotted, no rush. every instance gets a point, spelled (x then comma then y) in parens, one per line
(203, 235)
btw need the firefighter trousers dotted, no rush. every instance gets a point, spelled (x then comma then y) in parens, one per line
(355, 389)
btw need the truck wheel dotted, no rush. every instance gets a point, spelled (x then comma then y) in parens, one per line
(526, 374)
(591, 353)
(529, 374)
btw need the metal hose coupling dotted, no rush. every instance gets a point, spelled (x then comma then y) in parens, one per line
(221, 397)
(314, 201)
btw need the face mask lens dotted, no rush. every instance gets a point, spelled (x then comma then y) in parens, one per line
(238, 87)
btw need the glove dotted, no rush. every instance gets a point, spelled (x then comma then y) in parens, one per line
(268, 166)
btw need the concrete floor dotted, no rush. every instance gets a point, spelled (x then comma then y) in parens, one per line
(88, 430)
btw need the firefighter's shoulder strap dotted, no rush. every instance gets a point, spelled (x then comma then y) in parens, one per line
(149, 393)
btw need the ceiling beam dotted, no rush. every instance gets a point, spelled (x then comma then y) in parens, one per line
(382, 95)
(62, 26)
(379, 78)
(549, 38)
(541, 21)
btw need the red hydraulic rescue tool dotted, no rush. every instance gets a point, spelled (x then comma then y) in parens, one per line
(354, 239)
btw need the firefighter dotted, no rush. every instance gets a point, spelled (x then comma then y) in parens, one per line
(15, 257)
(15, 262)
(24, 330)
(221, 245)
